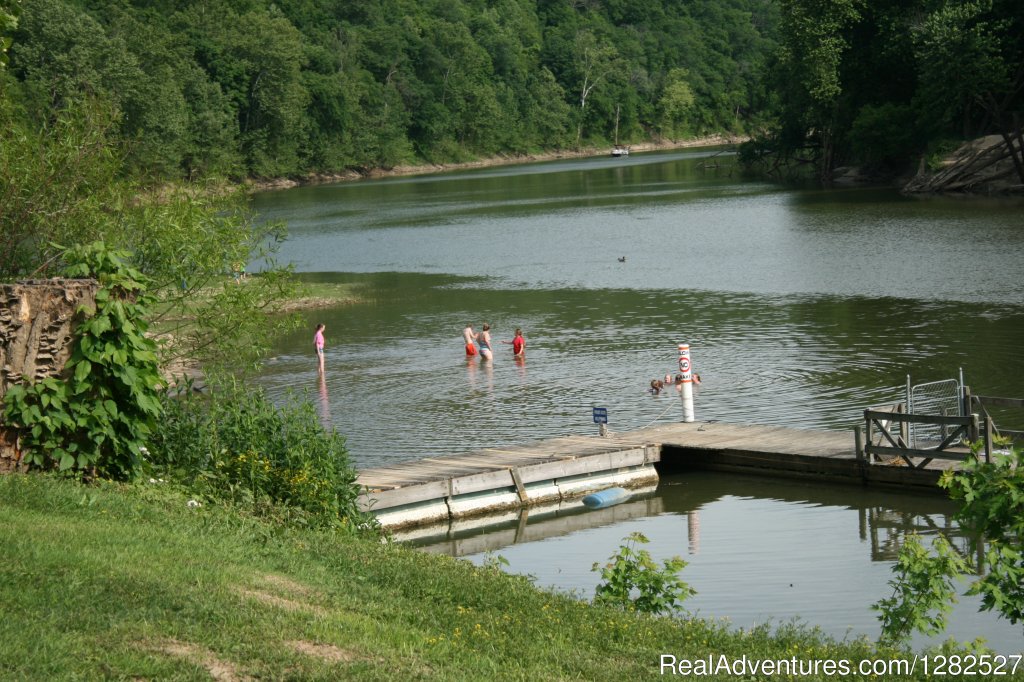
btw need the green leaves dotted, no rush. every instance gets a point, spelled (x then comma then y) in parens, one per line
(630, 572)
(97, 420)
(992, 508)
(235, 445)
(992, 514)
(261, 89)
(923, 591)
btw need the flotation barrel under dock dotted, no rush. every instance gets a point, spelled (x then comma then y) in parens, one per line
(606, 498)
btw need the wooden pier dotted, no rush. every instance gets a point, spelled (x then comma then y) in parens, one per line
(438, 489)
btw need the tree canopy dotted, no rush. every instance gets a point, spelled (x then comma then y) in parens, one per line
(879, 82)
(285, 87)
(265, 88)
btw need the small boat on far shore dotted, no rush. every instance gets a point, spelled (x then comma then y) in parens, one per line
(620, 151)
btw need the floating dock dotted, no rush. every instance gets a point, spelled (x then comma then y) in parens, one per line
(434, 490)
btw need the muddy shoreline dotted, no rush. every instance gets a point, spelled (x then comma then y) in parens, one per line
(258, 185)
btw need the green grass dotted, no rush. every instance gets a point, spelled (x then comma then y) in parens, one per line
(333, 293)
(128, 582)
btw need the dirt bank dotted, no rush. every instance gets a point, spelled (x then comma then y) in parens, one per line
(257, 185)
(982, 166)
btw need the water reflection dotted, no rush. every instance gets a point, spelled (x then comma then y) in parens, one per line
(693, 532)
(323, 403)
(680, 229)
(881, 527)
(759, 549)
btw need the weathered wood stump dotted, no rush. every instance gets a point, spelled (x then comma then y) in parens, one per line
(37, 320)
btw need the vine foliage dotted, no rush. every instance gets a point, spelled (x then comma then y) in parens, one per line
(94, 420)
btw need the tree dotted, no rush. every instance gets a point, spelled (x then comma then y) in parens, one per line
(64, 55)
(257, 59)
(676, 102)
(815, 36)
(60, 184)
(991, 513)
(257, 88)
(986, 88)
(594, 61)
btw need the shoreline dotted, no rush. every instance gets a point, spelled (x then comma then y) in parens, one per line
(426, 168)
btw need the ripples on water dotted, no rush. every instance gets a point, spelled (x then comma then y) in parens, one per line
(801, 308)
(563, 224)
(400, 388)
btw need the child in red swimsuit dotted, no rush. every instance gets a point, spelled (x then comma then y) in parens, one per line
(518, 344)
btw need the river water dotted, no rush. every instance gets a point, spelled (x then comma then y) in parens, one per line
(802, 307)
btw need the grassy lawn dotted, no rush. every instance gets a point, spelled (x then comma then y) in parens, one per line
(130, 582)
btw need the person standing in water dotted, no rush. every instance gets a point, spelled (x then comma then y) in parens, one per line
(484, 339)
(518, 344)
(318, 344)
(469, 336)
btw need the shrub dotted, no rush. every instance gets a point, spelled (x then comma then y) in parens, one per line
(923, 590)
(235, 445)
(991, 497)
(658, 589)
(885, 136)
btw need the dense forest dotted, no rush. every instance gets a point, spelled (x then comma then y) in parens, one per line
(270, 88)
(881, 82)
(265, 88)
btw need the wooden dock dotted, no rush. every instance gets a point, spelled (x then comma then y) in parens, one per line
(439, 489)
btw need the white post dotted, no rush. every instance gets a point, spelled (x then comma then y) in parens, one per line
(687, 388)
(963, 405)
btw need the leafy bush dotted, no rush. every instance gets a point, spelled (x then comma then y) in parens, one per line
(939, 151)
(923, 590)
(234, 445)
(97, 417)
(991, 496)
(658, 589)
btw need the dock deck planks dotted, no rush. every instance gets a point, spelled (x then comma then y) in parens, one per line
(778, 450)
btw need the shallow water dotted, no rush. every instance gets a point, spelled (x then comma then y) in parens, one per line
(802, 308)
(399, 387)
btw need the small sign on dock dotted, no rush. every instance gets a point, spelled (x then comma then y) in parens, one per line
(600, 415)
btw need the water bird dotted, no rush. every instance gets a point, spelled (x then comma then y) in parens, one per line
(622, 259)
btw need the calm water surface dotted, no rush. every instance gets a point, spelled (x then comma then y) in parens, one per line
(801, 307)
(758, 550)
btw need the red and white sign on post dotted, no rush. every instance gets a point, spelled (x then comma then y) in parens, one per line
(686, 369)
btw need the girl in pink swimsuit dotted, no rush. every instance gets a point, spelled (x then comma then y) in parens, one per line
(318, 344)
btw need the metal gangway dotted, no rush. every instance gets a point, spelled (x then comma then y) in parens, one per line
(936, 420)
